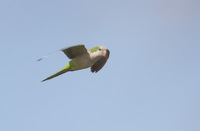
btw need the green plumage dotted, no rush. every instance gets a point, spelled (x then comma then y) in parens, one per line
(94, 49)
(68, 67)
(82, 58)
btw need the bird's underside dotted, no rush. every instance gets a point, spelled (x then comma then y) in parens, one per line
(82, 58)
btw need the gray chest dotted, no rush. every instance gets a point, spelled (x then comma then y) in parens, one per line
(83, 61)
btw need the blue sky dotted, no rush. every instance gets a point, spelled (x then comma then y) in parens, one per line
(150, 82)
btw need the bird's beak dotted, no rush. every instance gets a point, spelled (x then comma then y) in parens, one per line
(105, 53)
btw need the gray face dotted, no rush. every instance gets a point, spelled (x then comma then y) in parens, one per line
(102, 51)
(102, 48)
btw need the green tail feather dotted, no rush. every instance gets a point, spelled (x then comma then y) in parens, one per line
(65, 69)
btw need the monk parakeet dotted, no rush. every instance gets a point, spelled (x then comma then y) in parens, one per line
(83, 58)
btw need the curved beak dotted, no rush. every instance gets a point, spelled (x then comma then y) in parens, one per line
(106, 53)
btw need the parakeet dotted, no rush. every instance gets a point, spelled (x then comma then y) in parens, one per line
(82, 58)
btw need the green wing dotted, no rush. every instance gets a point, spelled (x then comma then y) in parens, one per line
(74, 51)
(70, 52)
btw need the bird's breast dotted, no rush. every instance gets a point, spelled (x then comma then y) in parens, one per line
(82, 61)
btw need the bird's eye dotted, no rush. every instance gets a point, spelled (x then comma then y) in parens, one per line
(99, 48)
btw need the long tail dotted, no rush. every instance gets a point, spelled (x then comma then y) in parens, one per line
(65, 69)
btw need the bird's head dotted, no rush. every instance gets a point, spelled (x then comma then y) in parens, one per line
(99, 51)
(102, 51)
(100, 55)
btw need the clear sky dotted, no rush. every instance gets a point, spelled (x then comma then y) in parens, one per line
(151, 81)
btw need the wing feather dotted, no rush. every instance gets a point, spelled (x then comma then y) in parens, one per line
(100, 63)
(74, 51)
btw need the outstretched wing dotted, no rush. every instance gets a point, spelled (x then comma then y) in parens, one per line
(74, 51)
(100, 63)
(47, 55)
(70, 52)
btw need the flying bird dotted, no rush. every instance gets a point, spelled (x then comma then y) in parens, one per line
(82, 58)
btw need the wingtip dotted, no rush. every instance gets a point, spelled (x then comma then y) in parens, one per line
(39, 59)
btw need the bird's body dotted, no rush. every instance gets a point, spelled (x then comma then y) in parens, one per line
(83, 61)
(83, 58)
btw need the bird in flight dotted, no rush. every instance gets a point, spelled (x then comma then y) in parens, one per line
(82, 58)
